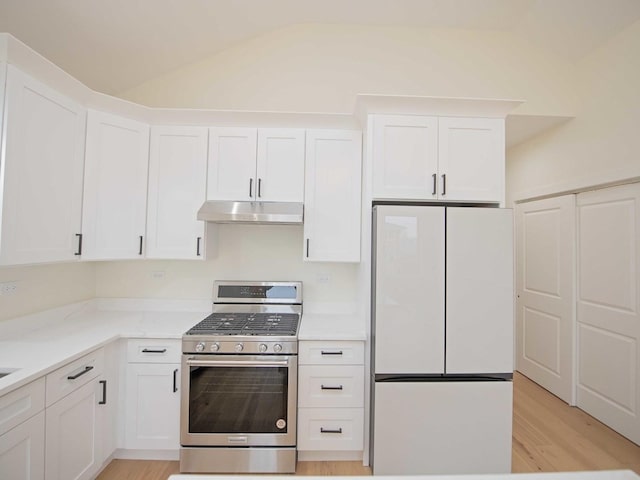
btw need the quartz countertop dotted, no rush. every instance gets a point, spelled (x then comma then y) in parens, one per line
(330, 326)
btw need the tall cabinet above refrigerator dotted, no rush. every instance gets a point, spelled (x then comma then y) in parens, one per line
(442, 346)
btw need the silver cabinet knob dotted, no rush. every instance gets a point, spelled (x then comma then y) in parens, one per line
(277, 348)
(215, 347)
(262, 348)
(239, 347)
(200, 347)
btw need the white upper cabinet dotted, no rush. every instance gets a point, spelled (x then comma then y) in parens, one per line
(405, 156)
(438, 158)
(471, 160)
(177, 189)
(248, 164)
(332, 196)
(41, 173)
(115, 188)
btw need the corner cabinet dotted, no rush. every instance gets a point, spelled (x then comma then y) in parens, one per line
(41, 172)
(115, 188)
(438, 158)
(332, 197)
(177, 189)
(249, 164)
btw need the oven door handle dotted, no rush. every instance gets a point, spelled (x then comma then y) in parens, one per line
(237, 363)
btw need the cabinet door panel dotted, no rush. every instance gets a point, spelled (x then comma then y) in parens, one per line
(177, 189)
(405, 156)
(471, 159)
(115, 191)
(332, 196)
(479, 290)
(409, 274)
(22, 450)
(232, 164)
(42, 173)
(280, 167)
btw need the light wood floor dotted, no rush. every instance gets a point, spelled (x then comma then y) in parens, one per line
(548, 436)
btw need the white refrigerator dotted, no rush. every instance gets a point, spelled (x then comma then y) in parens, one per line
(442, 340)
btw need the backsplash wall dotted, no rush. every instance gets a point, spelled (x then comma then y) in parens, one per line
(235, 252)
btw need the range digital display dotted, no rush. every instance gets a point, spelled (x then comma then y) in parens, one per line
(257, 291)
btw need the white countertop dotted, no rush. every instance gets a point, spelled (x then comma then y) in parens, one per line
(592, 475)
(319, 326)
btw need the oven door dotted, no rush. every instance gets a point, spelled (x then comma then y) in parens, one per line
(238, 400)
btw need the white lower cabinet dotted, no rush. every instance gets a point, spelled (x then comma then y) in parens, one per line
(22, 450)
(331, 399)
(152, 397)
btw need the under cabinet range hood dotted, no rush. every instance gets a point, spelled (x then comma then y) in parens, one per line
(271, 213)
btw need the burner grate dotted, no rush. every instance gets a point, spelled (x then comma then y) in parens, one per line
(280, 324)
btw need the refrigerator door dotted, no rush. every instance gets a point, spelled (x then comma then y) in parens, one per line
(409, 263)
(442, 428)
(479, 325)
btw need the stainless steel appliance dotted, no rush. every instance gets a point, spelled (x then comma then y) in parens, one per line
(239, 377)
(442, 338)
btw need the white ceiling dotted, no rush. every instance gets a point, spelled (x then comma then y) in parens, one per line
(113, 45)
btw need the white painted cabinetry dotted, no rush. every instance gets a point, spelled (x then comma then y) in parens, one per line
(248, 164)
(152, 405)
(331, 399)
(22, 433)
(74, 420)
(115, 187)
(177, 189)
(332, 196)
(41, 173)
(438, 158)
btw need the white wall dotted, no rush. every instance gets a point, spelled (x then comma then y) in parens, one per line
(322, 67)
(602, 144)
(244, 252)
(40, 287)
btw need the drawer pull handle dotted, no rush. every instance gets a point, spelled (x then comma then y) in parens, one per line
(331, 352)
(175, 380)
(104, 392)
(147, 350)
(325, 387)
(87, 369)
(329, 430)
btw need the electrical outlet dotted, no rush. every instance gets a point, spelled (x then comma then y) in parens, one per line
(158, 274)
(8, 288)
(323, 278)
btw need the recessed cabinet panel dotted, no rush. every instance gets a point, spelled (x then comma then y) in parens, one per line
(177, 189)
(41, 172)
(22, 451)
(280, 165)
(115, 188)
(232, 164)
(332, 196)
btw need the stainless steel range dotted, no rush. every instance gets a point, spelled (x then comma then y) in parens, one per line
(239, 377)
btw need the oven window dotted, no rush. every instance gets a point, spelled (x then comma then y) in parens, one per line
(238, 400)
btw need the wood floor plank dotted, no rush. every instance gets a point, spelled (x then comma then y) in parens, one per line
(548, 436)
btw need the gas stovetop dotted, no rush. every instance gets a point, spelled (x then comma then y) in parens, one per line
(238, 323)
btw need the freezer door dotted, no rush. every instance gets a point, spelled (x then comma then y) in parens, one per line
(409, 289)
(442, 428)
(479, 325)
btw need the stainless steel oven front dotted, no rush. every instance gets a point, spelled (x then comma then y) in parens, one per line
(238, 400)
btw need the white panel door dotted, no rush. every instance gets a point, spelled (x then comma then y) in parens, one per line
(545, 303)
(41, 173)
(405, 157)
(177, 189)
(115, 187)
(152, 408)
(22, 450)
(409, 289)
(479, 286)
(432, 428)
(280, 165)
(332, 196)
(608, 307)
(231, 173)
(471, 159)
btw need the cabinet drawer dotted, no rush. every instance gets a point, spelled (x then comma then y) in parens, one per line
(330, 428)
(331, 353)
(331, 386)
(73, 375)
(153, 351)
(17, 406)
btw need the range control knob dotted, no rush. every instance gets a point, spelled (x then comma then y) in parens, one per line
(277, 348)
(215, 347)
(239, 347)
(262, 348)
(200, 347)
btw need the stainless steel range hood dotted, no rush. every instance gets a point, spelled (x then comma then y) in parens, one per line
(278, 213)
